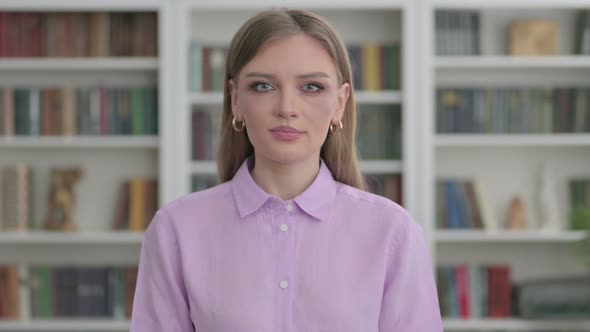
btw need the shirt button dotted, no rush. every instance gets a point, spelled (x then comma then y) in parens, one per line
(289, 207)
(284, 227)
(284, 284)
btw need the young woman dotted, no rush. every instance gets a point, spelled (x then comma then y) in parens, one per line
(289, 242)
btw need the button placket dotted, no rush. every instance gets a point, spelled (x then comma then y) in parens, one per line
(285, 282)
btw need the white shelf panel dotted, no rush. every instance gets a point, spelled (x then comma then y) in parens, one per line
(367, 166)
(308, 4)
(362, 97)
(79, 238)
(63, 325)
(106, 142)
(515, 324)
(203, 167)
(206, 98)
(512, 62)
(512, 140)
(509, 4)
(381, 166)
(475, 236)
(83, 64)
(389, 97)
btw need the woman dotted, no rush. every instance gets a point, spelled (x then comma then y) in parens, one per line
(289, 241)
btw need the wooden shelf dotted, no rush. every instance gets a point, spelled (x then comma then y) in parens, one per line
(104, 142)
(66, 325)
(79, 238)
(476, 237)
(512, 140)
(79, 63)
(512, 62)
(515, 324)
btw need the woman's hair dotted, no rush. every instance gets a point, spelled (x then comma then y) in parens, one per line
(339, 150)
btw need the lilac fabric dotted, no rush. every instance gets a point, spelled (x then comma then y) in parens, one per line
(236, 259)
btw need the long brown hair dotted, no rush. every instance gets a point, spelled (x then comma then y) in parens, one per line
(339, 150)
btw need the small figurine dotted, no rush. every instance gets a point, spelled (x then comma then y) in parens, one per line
(517, 219)
(61, 205)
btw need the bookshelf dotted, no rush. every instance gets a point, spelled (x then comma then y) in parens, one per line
(107, 158)
(383, 22)
(506, 163)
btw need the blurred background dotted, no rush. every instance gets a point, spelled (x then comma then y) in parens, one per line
(473, 115)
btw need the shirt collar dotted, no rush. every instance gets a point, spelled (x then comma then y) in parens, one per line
(315, 200)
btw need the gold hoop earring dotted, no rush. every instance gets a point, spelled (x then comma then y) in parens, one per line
(241, 127)
(336, 129)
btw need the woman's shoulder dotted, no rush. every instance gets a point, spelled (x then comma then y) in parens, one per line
(200, 202)
(365, 199)
(375, 207)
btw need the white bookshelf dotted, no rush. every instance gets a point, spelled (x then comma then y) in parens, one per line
(70, 239)
(515, 325)
(63, 325)
(82, 64)
(362, 97)
(381, 22)
(90, 142)
(507, 164)
(515, 237)
(107, 160)
(512, 140)
(512, 62)
(367, 167)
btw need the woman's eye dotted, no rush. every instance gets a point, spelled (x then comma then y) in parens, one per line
(262, 87)
(312, 87)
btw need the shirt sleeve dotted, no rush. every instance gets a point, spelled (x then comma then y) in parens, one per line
(160, 302)
(410, 300)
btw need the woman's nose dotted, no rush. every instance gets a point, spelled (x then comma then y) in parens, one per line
(287, 105)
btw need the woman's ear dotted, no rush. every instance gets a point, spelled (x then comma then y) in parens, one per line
(343, 94)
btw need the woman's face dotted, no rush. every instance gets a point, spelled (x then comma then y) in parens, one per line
(288, 94)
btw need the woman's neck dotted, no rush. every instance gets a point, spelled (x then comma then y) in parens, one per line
(285, 180)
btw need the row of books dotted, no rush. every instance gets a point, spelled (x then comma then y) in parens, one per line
(9, 292)
(136, 205)
(69, 291)
(579, 191)
(386, 185)
(457, 32)
(582, 32)
(378, 132)
(206, 123)
(17, 197)
(554, 298)
(474, 291)
(461, 204)
(513, 110)
(78, 34)
(207, 67)
(79, 111)
(375, 67)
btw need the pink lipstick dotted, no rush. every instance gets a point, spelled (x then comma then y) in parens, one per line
(286, 133)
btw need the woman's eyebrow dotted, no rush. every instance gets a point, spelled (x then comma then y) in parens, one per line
(270, 76)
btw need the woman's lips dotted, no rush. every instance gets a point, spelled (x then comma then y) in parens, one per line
(286, 133)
